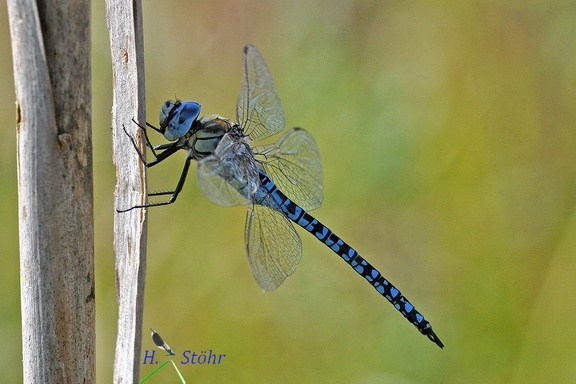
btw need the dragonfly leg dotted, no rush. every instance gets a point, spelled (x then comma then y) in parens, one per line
(174, 193)
(167, 149)
(147, 140)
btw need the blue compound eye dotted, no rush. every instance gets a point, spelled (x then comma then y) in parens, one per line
(176, 118)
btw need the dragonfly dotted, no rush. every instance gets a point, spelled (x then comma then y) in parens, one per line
(279, 182)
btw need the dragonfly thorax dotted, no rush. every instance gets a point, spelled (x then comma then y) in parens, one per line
(207, 135)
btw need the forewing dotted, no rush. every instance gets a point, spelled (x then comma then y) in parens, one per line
(229, 176)
(274, 248)
(294, 164)
(213, 186)
(258, 110)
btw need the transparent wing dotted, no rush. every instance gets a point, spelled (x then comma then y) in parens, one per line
(258, 110)
(293, 163)
(214, 187)
(228, 176)
(274, 248)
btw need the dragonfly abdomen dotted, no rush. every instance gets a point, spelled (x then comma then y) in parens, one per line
(299, 216)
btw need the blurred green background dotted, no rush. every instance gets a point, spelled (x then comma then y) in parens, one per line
(447, 133)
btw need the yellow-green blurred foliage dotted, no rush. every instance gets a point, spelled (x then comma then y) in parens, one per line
(447, 133)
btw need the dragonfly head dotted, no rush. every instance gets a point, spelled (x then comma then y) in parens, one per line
(177, 117)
